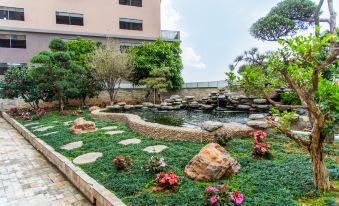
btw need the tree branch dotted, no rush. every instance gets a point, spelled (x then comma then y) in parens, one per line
(303, 143)
(282, 106)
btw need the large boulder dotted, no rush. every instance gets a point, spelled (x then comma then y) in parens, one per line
(211, 164)
(258, 124)
(257, 117)
(211, 126)
(80, 126)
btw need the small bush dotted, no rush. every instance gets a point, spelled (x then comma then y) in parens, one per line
(156, 165)
(123, 163)
(222, 139)
(167, 181)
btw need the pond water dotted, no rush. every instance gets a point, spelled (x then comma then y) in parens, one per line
(190, 118)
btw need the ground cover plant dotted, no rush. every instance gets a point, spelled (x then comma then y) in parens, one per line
(284, 180)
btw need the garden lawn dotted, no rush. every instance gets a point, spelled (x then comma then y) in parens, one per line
(281, 181)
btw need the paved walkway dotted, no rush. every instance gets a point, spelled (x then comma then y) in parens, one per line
(28, 179)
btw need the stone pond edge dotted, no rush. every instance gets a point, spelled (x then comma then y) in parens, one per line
(154, 130)
(95, 192)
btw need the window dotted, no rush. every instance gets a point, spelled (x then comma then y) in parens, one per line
(5, 66)
(70, 19)
(124, 46)
(131, 24)
(12, 41)
(131, 2)
(11, 13)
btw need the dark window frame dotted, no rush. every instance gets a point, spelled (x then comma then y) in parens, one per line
(13, 41)
(131, 24)
(12, 13)
(136, 3)
(73, 19)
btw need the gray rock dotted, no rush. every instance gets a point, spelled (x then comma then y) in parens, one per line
(263, 106)
(114, 132)
(122, 104)
(257, 117)
(258, 124)
(211, 126)
(129, 107)
(206, 107)
(114, 108)
(138, 106)
(189, 97)
(259, 101)
(147, 104)
(244, 107)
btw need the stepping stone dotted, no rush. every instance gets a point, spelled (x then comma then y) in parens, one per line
(130, 141)
(55, 121)
(114, 132)
(155, 149)
(68, 123)
(47, 134)
(31, 124)
(36, 127)
(73, 145)
(87, 158)
(336, 137)
(109, 128)
(42, 129)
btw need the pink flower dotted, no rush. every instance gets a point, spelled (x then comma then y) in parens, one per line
(263, 149)
(237, 197)
(214, 199)
(210, 189)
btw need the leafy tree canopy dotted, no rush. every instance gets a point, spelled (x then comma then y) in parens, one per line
(149, 56)
(286, 18)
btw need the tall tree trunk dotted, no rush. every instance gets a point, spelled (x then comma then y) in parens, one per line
(320, 174)
(61, 101)
(111, 96)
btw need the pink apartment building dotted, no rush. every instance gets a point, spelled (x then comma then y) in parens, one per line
(26, 27)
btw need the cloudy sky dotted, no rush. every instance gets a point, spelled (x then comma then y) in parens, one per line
(214, 32)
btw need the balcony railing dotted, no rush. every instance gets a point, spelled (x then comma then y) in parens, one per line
(169, 35)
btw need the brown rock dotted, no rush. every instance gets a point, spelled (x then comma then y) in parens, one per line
(82, 126)
(212, 163)
(91, 109)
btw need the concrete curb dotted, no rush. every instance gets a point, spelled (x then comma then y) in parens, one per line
(96, 193)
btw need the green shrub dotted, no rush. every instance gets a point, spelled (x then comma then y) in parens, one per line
(290, 98)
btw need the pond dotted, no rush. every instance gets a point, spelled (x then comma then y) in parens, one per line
(190, 118)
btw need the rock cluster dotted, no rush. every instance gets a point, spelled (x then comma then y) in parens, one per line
(211, 164)
(173, 103)
(258, 121)
(80, 126)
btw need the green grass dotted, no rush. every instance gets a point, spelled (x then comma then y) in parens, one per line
(280, 181)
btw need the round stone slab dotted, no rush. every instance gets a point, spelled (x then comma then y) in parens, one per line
(155, 149)
(47, 134)
(109, 128)
(130, 141)
(42, 129)
(72, 145)
(87, 158)
(114, 132)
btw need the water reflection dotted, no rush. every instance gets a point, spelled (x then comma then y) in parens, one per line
(190, 118)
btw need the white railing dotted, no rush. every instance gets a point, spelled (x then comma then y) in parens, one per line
(190, 85)
(169, 35)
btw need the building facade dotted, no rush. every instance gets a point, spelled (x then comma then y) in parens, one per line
(26, 27)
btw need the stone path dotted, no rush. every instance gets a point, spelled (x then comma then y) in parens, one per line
(130, 141)
(114, 132)
(27, 178)
(87, 158)
(155, 148)
(72, 145)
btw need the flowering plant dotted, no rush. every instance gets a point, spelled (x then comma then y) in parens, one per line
(219, 195)
(75, 113)
(123, 163)
(156, 165)
(260, 148)
(63, 113)
(80, 111)
(167, 181)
